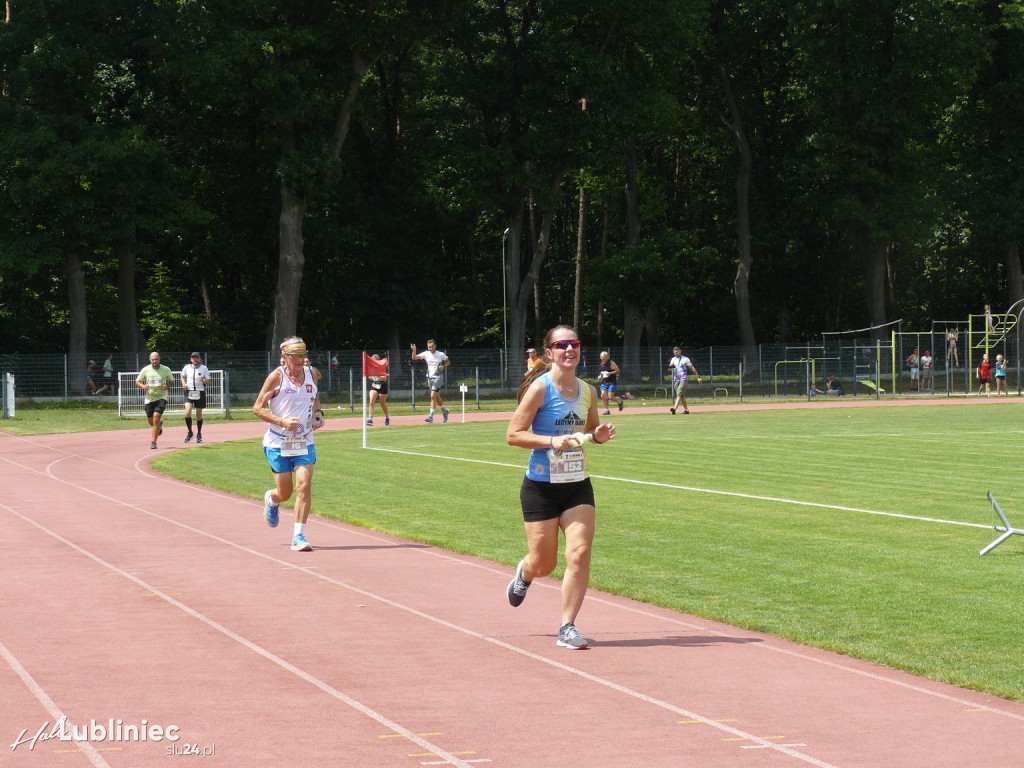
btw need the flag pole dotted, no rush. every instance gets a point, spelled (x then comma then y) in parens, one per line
(364, 397)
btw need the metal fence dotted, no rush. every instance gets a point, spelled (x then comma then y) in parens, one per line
(863, 367)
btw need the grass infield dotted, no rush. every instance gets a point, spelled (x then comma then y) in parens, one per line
(851, 529)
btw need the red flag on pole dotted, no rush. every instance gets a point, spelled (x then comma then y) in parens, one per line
(373, 367)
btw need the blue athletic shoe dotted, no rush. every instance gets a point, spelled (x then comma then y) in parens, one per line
(270, 510)
(429, 419)
(299, 544)
(444, 415)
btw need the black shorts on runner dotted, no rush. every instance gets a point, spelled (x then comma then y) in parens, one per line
(200, 403)
(157, 406)
(547, 501)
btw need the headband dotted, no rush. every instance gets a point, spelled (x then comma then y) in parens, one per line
(294, 348)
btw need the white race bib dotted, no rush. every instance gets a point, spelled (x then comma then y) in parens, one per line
(568, 467)
(293, 446)
(194, 394)
(155, 381)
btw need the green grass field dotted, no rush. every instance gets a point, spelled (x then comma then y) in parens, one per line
(851, 529)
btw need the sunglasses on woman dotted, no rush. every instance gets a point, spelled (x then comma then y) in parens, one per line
(565, 344)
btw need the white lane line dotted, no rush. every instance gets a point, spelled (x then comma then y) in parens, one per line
(435, 553)
(51, 707)
(391, 725)
(808, 759)
(713, 491)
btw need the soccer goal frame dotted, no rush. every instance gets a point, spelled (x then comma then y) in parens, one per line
(131, 400)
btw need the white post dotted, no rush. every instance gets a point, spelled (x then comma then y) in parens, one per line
(504, 308)
(8, 397)
(463, 389)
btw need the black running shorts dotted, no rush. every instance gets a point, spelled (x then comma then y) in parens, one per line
(547, 501)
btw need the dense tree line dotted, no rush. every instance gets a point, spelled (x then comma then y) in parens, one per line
(221, 173)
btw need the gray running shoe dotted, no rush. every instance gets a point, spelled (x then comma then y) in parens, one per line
(569, 637)
(517, 587)
(444, 415)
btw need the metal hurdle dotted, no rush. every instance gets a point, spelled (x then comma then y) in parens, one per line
(1007, 529)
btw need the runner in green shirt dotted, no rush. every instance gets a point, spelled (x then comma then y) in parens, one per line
(155, 380)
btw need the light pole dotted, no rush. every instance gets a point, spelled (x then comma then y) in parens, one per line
(504, 303)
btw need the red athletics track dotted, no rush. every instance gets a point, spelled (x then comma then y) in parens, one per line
(130, 597)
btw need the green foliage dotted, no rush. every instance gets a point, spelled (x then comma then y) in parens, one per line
(167, 322)
(157, 137)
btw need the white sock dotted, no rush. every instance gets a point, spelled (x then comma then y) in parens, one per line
(432, 411)
(299, 528)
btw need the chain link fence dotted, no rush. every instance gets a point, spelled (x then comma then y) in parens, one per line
(862, 367)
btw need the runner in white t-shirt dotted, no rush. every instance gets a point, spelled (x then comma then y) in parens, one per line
(194, 378)
(436, 363)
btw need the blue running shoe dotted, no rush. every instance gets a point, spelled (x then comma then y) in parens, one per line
(270, 510)
(299, 544)
(429, 419)
(444, 415)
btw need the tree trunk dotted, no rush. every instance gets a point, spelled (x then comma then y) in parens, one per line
(600, 302)
(1014, 276)
(204, 291)
(741, 283)
(632, 310)
(538, 331)
(581, 240)
(78, 333)
(890, 277)
(521, 288)
(632, 331)
(291, 260)
(127, 313)
(290, 265)
(651, 320)
(477, 283)
(874, 276)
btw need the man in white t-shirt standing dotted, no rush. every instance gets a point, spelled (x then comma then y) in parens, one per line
(680, 367)
(194, 378)
(436, 363)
